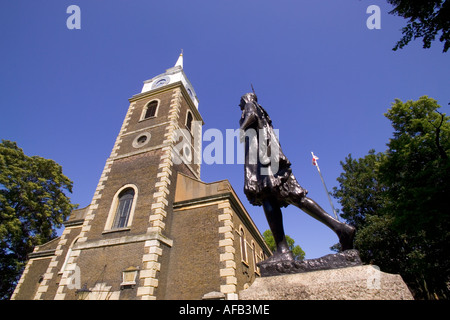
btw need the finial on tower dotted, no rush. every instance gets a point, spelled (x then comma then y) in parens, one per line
(180, 60)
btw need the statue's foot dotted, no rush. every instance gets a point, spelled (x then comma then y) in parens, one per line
(280, 257)
(346, 236)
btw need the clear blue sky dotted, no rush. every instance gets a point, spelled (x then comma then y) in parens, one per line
(322, 75)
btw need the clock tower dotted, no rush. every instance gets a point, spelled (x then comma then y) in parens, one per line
(153, 229)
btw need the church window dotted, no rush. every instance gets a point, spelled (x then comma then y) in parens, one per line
(150, 110)
(255, 258)
(189, 119)
(66, 259)
(141, 139)
(123, 208)
(243, 245)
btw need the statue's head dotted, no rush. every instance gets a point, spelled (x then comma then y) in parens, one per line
(246, 98)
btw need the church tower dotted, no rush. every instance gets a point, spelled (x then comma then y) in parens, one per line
(152, 227)
(132, 198)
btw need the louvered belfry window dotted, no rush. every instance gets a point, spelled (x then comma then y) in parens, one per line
(151, 109)
(189, 121)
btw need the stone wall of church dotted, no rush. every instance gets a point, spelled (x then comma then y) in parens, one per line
(193, 269)
(31, 278)
(101, 268)
(246, 269)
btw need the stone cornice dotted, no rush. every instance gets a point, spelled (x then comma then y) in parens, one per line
(123, 240)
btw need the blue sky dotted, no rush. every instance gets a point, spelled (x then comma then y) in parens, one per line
(322, 75)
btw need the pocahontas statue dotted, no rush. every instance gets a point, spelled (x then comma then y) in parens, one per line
(269, 181)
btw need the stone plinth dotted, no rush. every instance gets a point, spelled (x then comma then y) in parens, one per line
(352, 283)
(348, 258)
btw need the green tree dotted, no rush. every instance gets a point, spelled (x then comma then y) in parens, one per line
(399, 199)
(417, 169)
(426, 18)
(297, 251)
(361, 193)
(32, 206)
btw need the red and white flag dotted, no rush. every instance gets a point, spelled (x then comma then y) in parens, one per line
(314, 159)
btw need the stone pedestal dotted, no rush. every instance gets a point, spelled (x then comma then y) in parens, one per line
(351, 283)
(348, 258)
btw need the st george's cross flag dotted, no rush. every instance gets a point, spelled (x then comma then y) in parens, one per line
(314, 159)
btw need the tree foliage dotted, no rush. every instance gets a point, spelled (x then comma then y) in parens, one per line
(361, 192)
(398, 200)
(426, 18)
(297, 251)
(32, 205)
(417, 167)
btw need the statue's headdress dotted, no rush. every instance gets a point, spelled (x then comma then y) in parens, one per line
(249, 97)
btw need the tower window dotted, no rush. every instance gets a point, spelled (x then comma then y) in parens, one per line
(189, 119)
(150, 110)
(141, 139)
(123, 208)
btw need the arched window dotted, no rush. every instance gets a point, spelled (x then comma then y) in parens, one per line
(66, 259)
(123, 208)
(189, 119)
(243, 245)
(255, 257)
(150, 109)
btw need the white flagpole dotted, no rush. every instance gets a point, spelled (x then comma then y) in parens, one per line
(323, 181)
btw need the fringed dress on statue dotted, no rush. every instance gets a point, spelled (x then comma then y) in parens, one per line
(268, 173)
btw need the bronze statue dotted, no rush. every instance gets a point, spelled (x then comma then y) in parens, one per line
(269, 181)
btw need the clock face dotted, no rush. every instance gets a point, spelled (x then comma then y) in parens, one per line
(190, 92)
(160, 82)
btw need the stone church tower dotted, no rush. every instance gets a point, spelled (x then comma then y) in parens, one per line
(153, 230)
